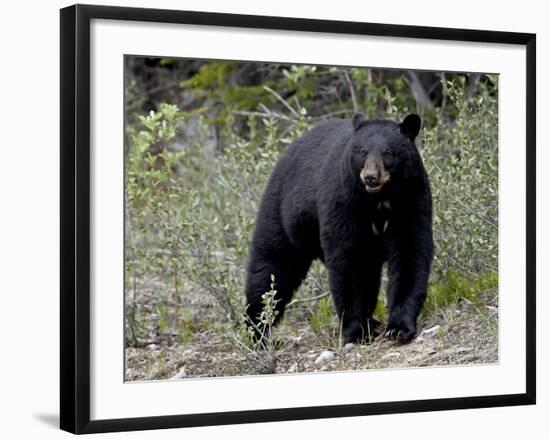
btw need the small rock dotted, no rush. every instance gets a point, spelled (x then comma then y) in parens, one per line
(293, 368)
(296, 340)
(324, 357)
(430, 332)
(391, 355)
(348, 347)
(455, 351)
(419, 339)
(181, 374)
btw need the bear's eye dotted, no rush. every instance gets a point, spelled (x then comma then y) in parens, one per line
(388, 154)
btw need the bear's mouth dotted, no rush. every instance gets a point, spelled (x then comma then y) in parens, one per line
(373, 189)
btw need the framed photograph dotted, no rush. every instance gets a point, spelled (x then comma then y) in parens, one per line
(275, 218)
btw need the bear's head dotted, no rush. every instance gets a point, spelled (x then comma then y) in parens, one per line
(383, 153)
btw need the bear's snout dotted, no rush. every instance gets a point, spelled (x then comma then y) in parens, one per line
(374, 175)
(371, 178)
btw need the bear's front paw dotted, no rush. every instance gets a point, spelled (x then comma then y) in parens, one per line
(402, 331)
(359, 333)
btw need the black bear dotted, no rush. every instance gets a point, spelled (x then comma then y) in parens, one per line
(355, 194)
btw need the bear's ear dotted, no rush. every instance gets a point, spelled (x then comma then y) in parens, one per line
(410, 126)
(357, 121)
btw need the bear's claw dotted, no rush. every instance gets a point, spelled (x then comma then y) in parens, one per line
(401, 335)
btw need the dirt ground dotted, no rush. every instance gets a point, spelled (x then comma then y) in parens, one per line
(460, 334)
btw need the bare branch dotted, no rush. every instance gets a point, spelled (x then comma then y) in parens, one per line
(351, 91)
(418, 90)
(280, 99)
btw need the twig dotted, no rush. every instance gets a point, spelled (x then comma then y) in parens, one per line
(265, 114)
(331, 114)
(443, 93)
(176, 299)
(308, 299)
(131, 319)
(472, 211)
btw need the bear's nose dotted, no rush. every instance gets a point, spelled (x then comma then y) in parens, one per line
(371, 178)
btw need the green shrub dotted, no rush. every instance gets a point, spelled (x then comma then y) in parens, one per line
(461, 158)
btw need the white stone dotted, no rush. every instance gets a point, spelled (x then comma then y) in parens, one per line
(324, 357)
(431, 331)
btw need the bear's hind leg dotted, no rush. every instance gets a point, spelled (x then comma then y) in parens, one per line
(288, 273)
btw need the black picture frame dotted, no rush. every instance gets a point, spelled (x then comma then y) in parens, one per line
(75, 217)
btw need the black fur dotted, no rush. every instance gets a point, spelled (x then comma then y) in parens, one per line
(323, 201)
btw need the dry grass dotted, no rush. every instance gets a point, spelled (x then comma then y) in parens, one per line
(459, 334)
